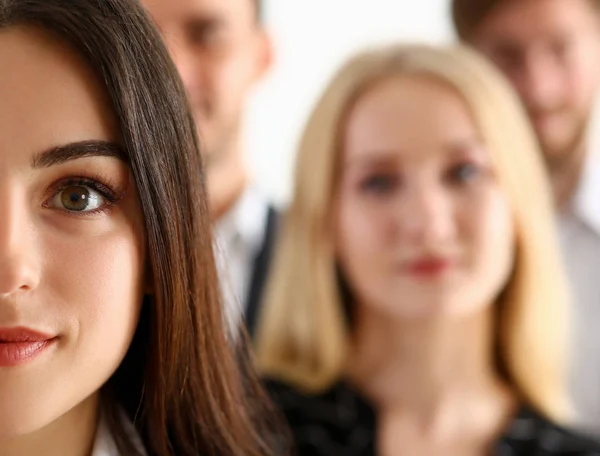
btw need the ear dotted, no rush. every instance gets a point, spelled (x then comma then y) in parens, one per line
(264, 54)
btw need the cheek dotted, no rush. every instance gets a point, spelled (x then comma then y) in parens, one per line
(361, 236)
(493, 238)
(97, 284)
(583, 79)
(90, 295)
(234, 77)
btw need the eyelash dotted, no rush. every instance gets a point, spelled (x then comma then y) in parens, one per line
(111, 192)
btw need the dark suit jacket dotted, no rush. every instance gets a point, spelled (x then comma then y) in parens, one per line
(260, 272)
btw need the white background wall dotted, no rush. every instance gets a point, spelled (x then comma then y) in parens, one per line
(312, 38)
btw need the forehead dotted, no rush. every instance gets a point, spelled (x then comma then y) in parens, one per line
(49, 96)
(407, 112)
(171, 12)
(524, 21)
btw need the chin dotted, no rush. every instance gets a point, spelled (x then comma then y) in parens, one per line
(27, 408)
(17, 421)
(556, 148)
(426, 306)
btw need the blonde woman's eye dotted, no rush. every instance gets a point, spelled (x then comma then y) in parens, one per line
(464, 173)
(380, 184)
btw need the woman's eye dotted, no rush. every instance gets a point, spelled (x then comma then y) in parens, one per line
(464, 173)
(78, 198)
(380, 184)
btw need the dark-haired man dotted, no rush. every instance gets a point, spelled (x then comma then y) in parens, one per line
(222, 50)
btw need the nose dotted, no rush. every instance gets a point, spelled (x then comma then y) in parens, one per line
(184, 66)
(426, 215)
(19, 269)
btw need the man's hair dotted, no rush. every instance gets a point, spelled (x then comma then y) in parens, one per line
(258, 4)
(467, 15)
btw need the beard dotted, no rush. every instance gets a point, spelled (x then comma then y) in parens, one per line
(558, 150)
(558, 154)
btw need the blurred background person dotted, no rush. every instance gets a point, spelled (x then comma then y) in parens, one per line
(222, 50)
(550, 51)
(308, 56)
(417, 303)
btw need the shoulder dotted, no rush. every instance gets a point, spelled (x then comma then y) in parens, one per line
(332, 422)
(340, 398)
(531, 432)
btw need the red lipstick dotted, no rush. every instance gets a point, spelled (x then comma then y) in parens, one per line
(21, 345)
(428, 267)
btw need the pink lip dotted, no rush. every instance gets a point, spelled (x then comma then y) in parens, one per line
(21, 345)
(428, 267)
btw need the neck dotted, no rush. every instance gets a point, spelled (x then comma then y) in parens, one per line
(565, 173)
(70, 435)
(428, 368)
(227, 180)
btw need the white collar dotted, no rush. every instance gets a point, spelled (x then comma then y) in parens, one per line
(586, 201)
(104, 443)
(246, 220)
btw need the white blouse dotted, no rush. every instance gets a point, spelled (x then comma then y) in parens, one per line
(105, 445)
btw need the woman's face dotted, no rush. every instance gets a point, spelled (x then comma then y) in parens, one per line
(423, 227)
(71, 234)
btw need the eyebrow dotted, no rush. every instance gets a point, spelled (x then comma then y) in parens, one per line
(73, 151)
(384, 157)
(375, 157)
(204, 20)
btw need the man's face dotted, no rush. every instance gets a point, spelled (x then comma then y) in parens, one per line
(550, 51)
(220, 50)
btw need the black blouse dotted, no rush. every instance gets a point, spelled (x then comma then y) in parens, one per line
(341, 423)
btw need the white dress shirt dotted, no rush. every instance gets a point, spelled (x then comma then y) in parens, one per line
(239, 235)
(104, 444)
(579, 228)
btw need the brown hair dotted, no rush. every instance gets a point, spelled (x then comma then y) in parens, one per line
(467, 15)
(181, 383)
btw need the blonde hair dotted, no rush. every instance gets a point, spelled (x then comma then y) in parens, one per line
(303, 334)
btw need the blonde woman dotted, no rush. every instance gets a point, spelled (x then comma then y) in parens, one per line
(418, 305)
